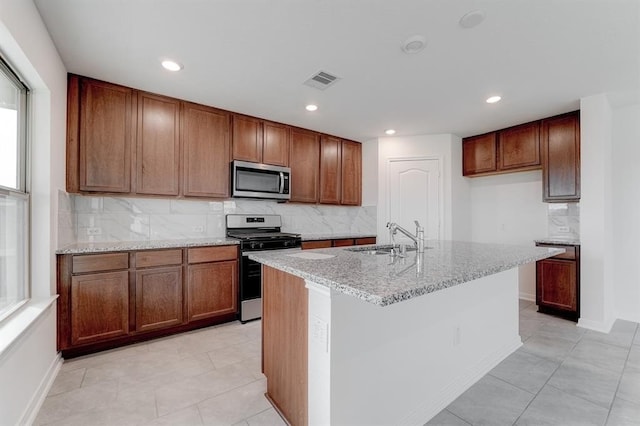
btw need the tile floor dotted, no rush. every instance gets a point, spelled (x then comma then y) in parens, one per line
(562, 375)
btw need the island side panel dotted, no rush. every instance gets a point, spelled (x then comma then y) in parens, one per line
(403, 363)
(284, 343)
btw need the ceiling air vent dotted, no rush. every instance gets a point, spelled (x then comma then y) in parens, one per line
(321, 80)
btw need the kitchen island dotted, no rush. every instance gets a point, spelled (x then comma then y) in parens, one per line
(355, 337)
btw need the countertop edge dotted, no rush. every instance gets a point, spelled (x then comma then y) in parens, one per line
(404, 295)
(105, 247)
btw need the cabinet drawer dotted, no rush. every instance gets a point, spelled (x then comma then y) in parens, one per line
(100, 262)
(343, 243)
(363, 241)
(306, 245)
(212, 254)
(569, 251)
(146, 259)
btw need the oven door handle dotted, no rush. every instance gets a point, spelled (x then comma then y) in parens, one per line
(281, 182)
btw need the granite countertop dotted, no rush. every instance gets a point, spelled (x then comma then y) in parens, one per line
(84, 248)
(384, 280)
(559, 240)
(336, 236)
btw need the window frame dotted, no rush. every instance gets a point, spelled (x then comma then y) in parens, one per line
(23, 171)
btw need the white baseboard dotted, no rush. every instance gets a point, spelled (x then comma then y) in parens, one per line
(527, 296)
(601, 326)
(629, 316)
(459, 385)
(31, 412)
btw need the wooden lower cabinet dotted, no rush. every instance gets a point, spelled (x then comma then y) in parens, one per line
(558, 283)
(158, 298)
(284, 343)
(212, 289)
(99, 307)
(342, 242)
(113, 299)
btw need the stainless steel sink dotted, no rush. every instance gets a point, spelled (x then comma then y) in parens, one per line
(379, 249)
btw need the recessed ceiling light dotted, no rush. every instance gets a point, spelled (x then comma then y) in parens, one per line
(471, 19)
(311, 107)
(390, 132)
(414, 44)
(171, 65)
(493, 99)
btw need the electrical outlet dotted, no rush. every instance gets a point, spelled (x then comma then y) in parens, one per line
(94, 231)
(198, 228)
(320, 333)
(563, 229)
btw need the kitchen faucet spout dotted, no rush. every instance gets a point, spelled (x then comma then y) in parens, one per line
(418, 239)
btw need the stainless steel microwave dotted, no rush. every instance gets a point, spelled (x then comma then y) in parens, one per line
(255, 180)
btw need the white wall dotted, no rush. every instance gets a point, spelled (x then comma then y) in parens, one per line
(596, 214)
(626, 212)
(455, 195)
(508, 209)
(28, 365)
(370, 173)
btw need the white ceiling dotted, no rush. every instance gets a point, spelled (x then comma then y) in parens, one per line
(252, 56)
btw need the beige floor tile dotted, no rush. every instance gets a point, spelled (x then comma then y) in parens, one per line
(67, 381)
(237, 404)
(234, 353)
(189, 416)
(192, 390)
(266, 418)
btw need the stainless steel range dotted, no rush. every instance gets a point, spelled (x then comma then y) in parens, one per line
(256, 233)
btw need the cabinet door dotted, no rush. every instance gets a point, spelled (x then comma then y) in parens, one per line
(158, 298)
(99, 307)
(479, 154)
(330, 170)
(158, 145)
(556, 284)
(304, 161)
(206, 151)
(247, 139)
(275, 148)
(351, 173)
(561, 158)
(105, 138)
(212, 289)
(519, 147)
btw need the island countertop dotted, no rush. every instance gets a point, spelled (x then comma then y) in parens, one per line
(384, 280)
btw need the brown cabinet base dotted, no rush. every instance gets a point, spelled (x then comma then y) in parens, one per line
(558, 283)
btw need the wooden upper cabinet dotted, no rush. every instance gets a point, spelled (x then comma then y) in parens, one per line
(304, 161)
(247, 139)
(519, 147)
(351, 173)
(260, 141)
(330, 170)
(100, 136)
(158, 145)
(479, 154)
(275, 146)
(560, 142)
(206, 151)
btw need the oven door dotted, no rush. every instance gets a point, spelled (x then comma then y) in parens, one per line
(250, 289)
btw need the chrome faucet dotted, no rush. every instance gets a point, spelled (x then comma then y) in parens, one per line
(418, 239)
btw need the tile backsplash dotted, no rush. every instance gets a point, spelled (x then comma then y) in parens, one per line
(564, 220)
(97, 219)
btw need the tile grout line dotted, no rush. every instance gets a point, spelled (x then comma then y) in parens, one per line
(547, 381)
(624, 367)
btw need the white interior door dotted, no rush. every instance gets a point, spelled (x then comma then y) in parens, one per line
(413, 192)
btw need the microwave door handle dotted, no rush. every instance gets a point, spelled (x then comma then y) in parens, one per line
(281, 182)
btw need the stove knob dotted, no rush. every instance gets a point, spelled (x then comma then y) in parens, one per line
(252, 246)
(261, 245)
(286, 243)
